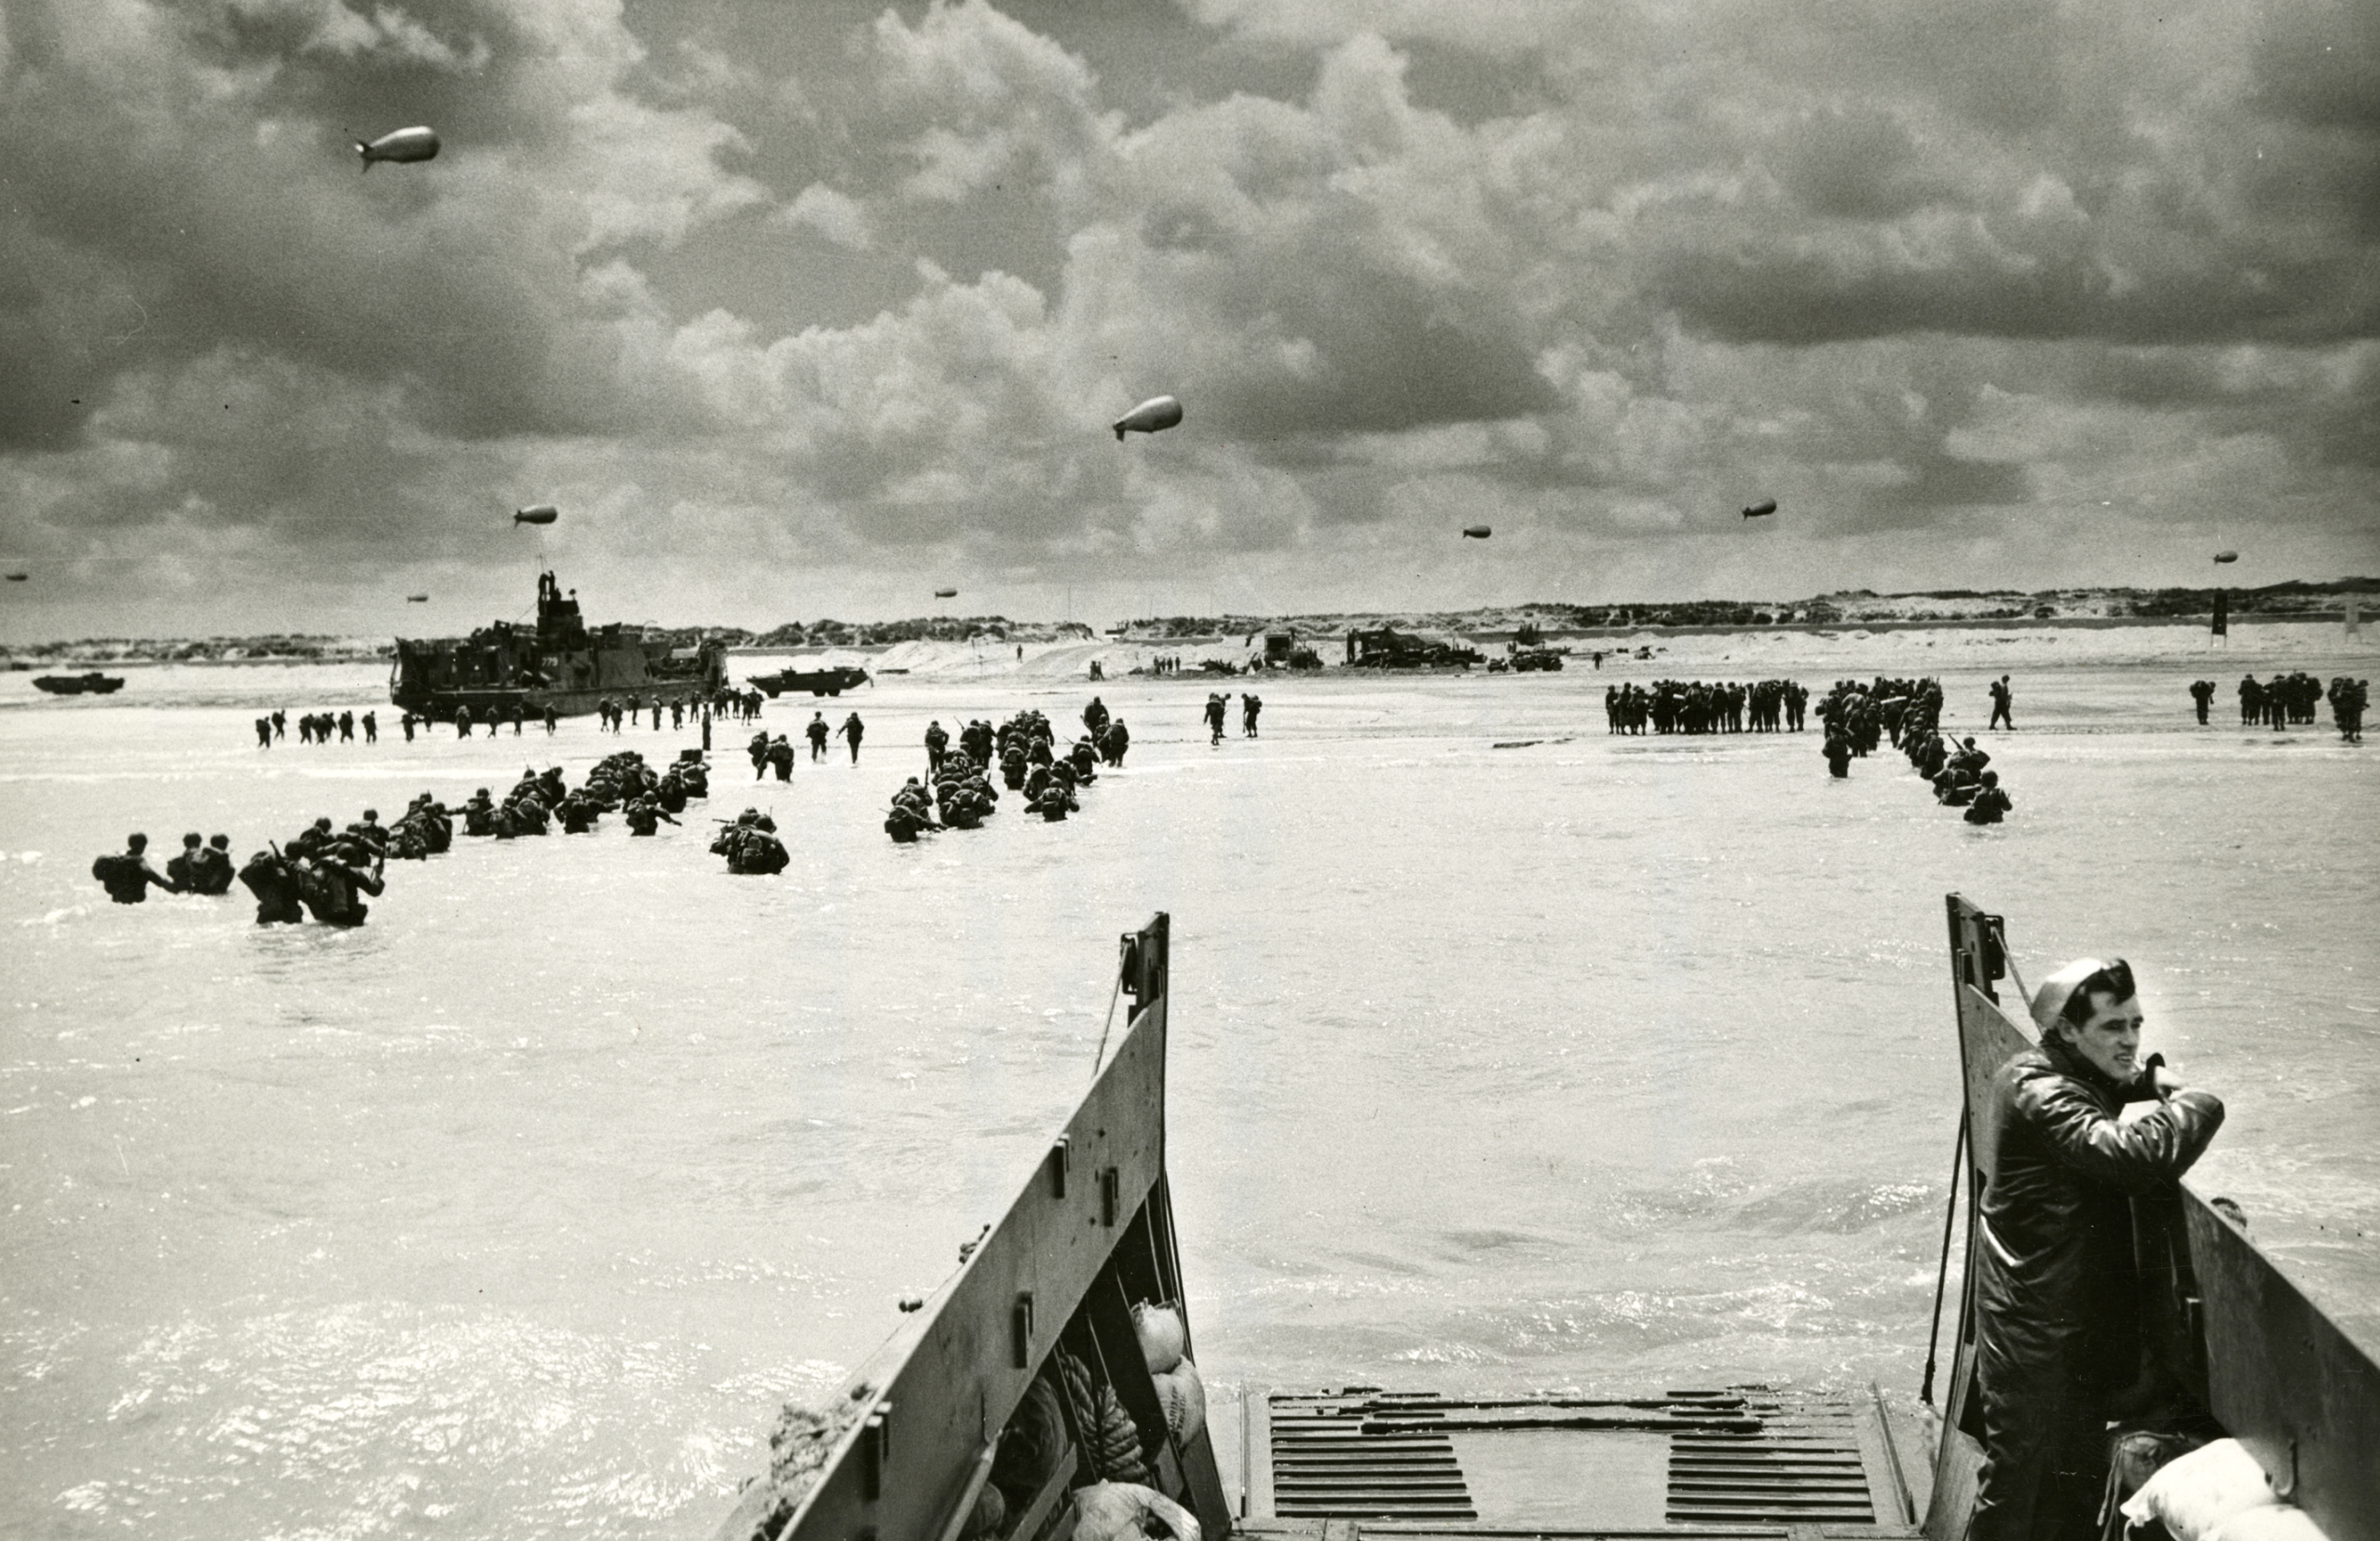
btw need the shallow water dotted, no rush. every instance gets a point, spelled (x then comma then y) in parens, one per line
(517, 1211)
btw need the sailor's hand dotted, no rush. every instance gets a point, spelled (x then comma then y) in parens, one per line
(2164, 1081)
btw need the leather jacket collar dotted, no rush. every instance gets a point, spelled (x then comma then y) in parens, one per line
(2063, 1057)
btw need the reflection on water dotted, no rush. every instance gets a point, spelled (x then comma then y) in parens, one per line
(1617, 1062)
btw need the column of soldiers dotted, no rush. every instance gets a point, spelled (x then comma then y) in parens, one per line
(201, 868)
(2283, 699)
(618, 782)
(743, 706)
(778, 754)
(957, 790)
(1859, 717)
(1959, 777)
(495, 715)
(318, 728)
(1695, 707)
(961, 791)
(328, 873)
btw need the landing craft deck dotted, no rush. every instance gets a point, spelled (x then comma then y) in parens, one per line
(936, 1437)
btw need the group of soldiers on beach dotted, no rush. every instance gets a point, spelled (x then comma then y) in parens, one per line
(1695, 707)
(2293, 698)
(328, 873)
(957, 792)
(204, 866)
(1909, 712)
(465, 719)
(620, 783)
(318, 871)
(613, 716)
(777, 753)
(1959, 777)
(318, 726)
(2280, 702)
(1218, 707)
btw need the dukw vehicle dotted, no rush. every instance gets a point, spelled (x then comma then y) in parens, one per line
(90, 683)
(959, 1399)
(560, 663)
(832, 680)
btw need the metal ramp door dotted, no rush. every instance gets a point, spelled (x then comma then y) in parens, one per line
(1745, 1461)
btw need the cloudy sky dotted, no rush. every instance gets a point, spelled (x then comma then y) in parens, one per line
(808, 308)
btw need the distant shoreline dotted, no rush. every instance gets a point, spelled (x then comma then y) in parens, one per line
(81, 655)
(2011, 623)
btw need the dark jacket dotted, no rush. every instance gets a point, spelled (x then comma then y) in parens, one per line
(2054, 1281)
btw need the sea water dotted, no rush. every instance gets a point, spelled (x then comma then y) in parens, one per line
(1506, 1055)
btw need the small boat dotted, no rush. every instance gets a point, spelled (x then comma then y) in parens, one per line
(818, 682)
(91, 684)
(1043, 1364)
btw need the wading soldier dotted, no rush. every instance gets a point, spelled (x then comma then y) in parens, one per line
(2055, 1271)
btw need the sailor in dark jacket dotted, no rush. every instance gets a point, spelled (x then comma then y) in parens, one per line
(2055, 1284)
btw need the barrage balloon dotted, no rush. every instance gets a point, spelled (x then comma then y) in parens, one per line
(1152, 415)
(417, 143)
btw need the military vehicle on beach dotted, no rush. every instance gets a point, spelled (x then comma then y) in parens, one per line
(557, 663)
(1035, 1369)
(1387, 647)
(91, 684)
(818, 682)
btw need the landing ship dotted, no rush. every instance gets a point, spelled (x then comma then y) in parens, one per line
(1036, 1367)
(558, 664)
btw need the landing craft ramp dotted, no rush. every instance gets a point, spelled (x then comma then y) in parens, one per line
(1745, 1461)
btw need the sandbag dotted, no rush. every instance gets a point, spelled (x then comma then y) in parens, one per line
(1162, 1338)
(1126, 1511)
(1184, 1397)
(2194, 1495)
(2271, 1522)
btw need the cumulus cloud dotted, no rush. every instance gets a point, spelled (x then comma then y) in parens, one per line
(803, 305)
(835, 215)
